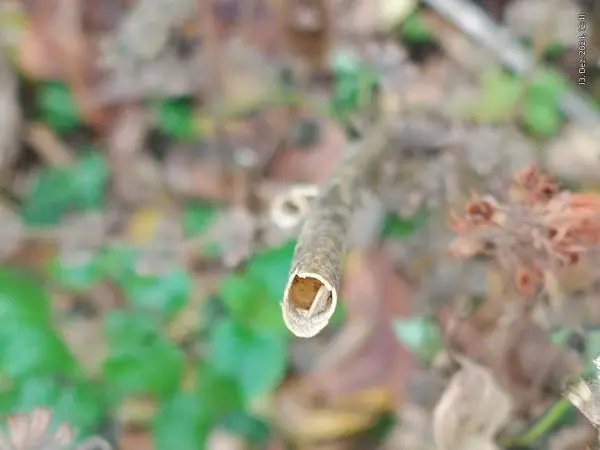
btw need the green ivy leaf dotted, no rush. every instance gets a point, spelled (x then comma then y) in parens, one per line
(142, 359)
(27, 349)
(47, 198)
(199, 216)
(257, 359)
(89, 179)
(541, 113)
(57, 106)
(542, 119)
(79, 404)
(353, 85)
(253, 429)
(82, 406)
(22, 298)
(117, 262)
(548, 86)
(77, 277)
(165, 294)
(220, 394)
(248, 301)
(177, 118)
(181, 422)
(58, 189)
(419, 334)
(30, 393)
(414, 30)
(271, 267)
(395, 225)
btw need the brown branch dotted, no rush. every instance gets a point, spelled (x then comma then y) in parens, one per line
(311, 294)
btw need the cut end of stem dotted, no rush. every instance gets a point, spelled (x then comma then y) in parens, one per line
(309, 302)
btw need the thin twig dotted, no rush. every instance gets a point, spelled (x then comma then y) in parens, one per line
(311, 294)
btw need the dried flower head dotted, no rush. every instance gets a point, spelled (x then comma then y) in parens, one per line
(537, 228)
(528, 279)
(534, 186)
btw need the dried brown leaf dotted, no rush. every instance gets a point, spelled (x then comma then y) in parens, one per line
(471, 411)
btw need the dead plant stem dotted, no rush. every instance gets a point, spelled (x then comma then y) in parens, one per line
(310, 297)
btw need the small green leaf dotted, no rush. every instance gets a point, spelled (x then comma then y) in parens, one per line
(77, 277)
(82, 406)
(354, 85)
(117, 262)
(89, 179)
(164, 294)
(271, 267)
(57, 106)
(59, 189)
(220, 394)
(247, 300)
(256, 359)
(420, 335)
(142, 359)
(542, 119)
(345, 62)
(30, 393)
(181, 422)
(253, 429)
(395, 225)
(548, 86)
(177, 118)
(198, 216)
(22, 298)
(28, 349)
(48, 197)
(415, 31)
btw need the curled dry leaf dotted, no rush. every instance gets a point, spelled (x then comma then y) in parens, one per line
(306, 417)
(290, 207)
(471, 411)
(413, 431)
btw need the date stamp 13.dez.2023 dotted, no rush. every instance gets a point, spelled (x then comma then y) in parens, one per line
(582, 39)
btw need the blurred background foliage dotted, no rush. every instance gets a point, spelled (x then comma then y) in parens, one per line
(146, 337)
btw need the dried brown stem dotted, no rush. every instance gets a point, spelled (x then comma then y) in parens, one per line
(311, 294)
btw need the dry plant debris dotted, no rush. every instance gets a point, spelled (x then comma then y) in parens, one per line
(31, 431)
(157, 160)
(472, 409)
(537, 229)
